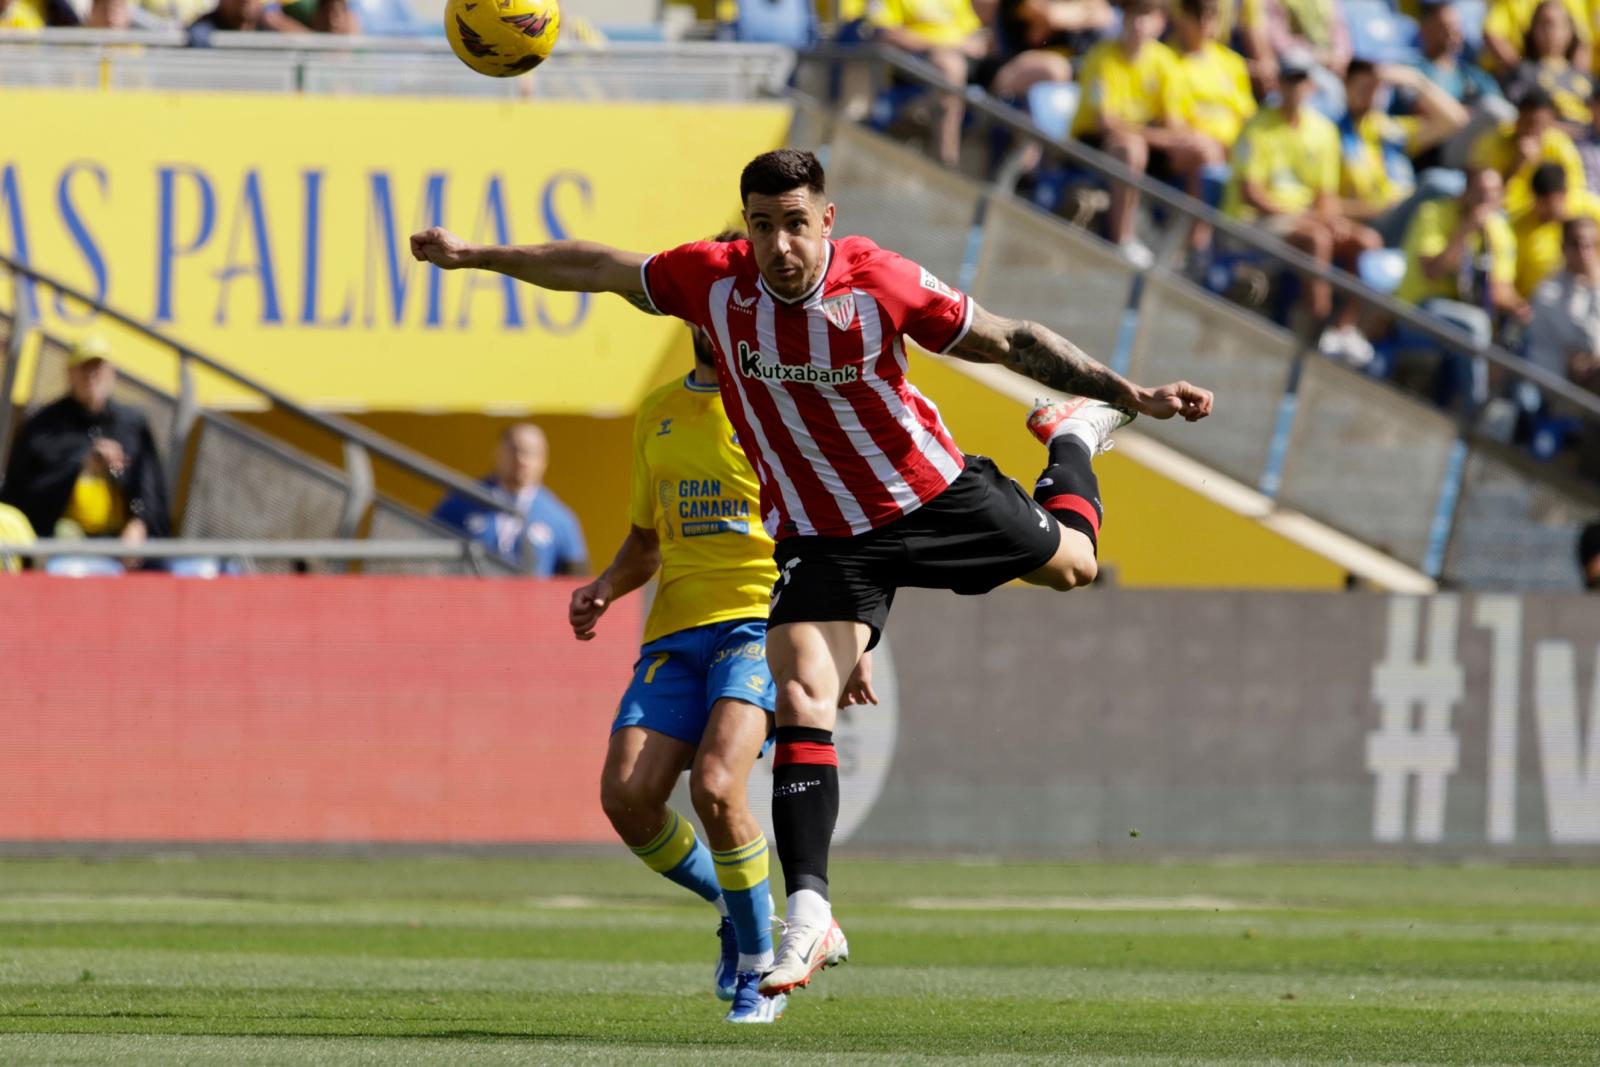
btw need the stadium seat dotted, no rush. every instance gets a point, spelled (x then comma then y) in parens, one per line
(1382, 269)
(391, 18)
(1053, 106)
(786, 22)
(1472, 13)
(1379, 33)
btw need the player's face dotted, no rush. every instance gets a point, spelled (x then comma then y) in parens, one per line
(789, 233)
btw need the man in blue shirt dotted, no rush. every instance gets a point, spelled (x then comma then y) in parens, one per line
(543, 528)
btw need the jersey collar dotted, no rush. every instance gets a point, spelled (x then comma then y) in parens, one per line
(811, 297)
(695, 387)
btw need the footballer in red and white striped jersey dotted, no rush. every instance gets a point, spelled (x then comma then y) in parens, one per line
(816, 386)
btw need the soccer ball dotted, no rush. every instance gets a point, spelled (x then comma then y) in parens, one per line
(502, 38)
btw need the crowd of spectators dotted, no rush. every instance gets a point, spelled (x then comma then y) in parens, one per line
(1466, 142)
(199, 18)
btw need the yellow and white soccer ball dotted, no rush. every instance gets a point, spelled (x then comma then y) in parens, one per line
(502, 38)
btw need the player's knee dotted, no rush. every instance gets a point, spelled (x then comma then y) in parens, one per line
(625, 801)
(715, 791)
(800, 704)
(1073, 569)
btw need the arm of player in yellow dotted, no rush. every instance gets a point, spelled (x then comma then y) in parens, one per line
(635, 563)
(569, 266)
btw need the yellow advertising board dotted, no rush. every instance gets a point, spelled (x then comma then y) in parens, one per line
(271, 232)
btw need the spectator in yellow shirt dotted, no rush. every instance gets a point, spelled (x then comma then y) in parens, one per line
(1505, 32)
(1242, 25)
(1376, 178)
(1461, 265)
(1215, 77)
(1538, 228)
(1315, 26)
(1551, 46)
(1516, 148)
(14, 530)
(1286, 180)
(1135, 108)
(36, 14)
(951, 37)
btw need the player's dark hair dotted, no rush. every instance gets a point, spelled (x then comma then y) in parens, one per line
(1548, 178)
(729, 235)
(1360, 66)
(1197, 9)
(778, 172)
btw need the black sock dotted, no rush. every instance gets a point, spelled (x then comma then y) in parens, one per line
(1068, 489)
(805, 805)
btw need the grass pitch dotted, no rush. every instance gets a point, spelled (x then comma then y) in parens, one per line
(470, 960)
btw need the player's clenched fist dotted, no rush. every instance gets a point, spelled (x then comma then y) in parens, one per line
(1179, 398)
(589, 602)
(440, 247)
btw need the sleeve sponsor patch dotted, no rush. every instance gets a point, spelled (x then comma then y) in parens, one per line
(934, 284)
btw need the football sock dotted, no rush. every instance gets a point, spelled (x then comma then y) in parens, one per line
(742, 874)
(805, 805)
(678, 854)
(1068, 489)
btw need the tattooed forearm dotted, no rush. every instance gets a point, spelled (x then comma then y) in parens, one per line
(1052, 360)
(1039, 353)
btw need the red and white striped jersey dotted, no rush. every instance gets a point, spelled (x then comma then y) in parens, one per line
(816, 388)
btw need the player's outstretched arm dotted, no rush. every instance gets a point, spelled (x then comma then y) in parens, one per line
(1039, 353)
(635, 563)
(569, 266)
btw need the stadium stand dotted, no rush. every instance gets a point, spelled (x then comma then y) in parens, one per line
(976, 234)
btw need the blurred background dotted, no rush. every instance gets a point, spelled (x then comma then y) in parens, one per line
(311, 588)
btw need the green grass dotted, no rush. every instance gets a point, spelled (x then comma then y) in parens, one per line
(472, 960)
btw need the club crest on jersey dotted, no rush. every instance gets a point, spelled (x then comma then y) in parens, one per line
(932, 283)
(841, 310)
(752, 364)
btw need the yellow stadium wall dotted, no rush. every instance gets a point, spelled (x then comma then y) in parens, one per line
(1157, 532)
(272, 231)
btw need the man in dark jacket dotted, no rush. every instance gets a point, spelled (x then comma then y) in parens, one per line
(86, 464)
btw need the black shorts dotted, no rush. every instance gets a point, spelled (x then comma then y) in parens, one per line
(981, 532)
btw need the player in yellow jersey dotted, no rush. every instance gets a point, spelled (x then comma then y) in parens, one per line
(701, 695)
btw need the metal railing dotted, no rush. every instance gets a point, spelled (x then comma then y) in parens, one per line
(633, 70)
(234, 452)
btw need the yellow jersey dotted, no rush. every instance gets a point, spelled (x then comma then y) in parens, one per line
(1364, 174)
(1428, 234)
(1146, 89)
(1218, 97)
(940, 23)
(14, 530)
(1236, 15)
(1497, 149)
(1539, 243)
(694, 487)
(1293, 164)
(23, 15)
